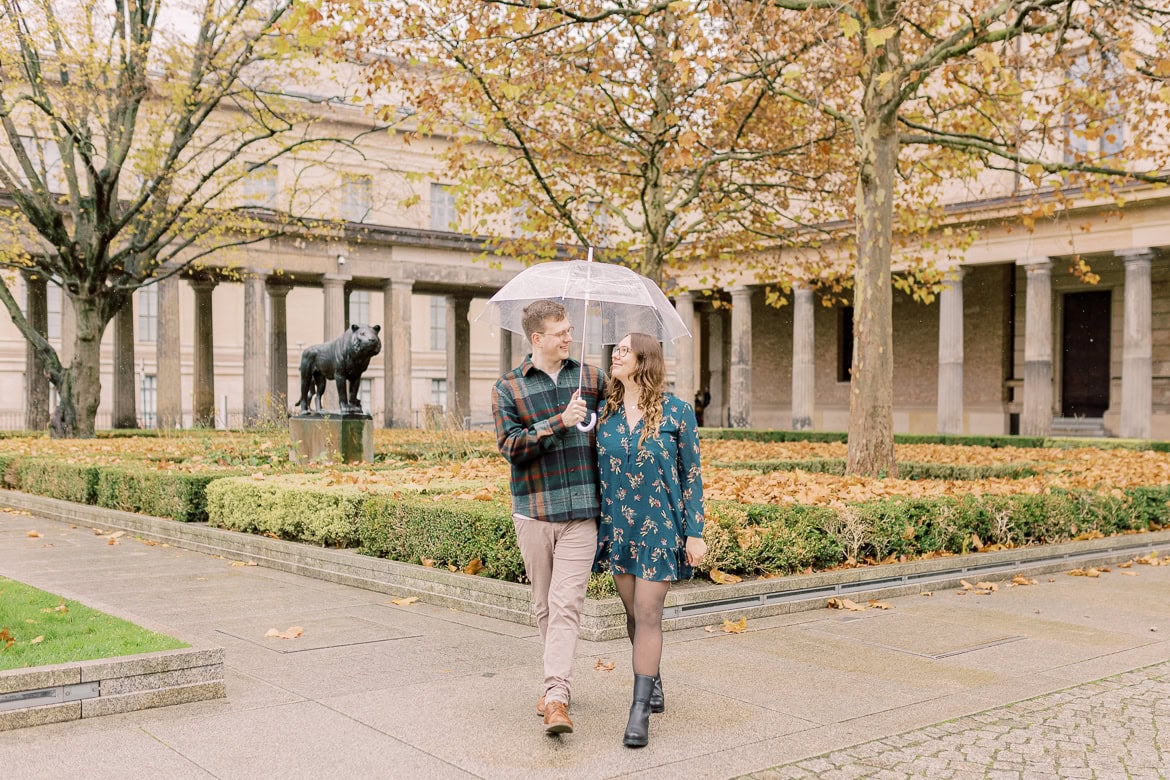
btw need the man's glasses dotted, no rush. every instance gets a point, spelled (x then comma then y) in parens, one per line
(567, 333)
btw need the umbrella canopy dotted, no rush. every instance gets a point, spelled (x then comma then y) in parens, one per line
(618, 298)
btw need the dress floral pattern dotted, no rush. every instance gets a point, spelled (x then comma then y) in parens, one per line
(651, 497)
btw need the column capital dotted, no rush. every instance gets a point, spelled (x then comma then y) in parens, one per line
(685, 295)
(397, 284)
(740, 290)
(335, 280)
(1136, 255)
(203, 283)
(1037, 263)
(278, 287)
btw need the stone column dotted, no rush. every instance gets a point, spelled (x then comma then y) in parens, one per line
(204, 411)
(804, 359)
(684, 349)
(334, 324)
(950, 355)
(1036, 419)
(255, 359)
(1137, 354)
(169, 388)
(714, 416)
(125, 412)
(458, 357)
(741, 356)
(507, 359)
(278, 346)
(36, 380)
(396, 313)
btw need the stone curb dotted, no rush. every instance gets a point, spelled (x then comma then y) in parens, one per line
(687, 606)
(107, 686)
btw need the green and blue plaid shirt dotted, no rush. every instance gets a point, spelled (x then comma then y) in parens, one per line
(554, 468)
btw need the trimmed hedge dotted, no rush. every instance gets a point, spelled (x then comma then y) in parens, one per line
(448, 531)
(304, 513)
(61, 479)
(996, 442)
(178, 495)
(906, 469)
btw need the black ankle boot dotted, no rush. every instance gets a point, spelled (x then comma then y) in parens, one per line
(657, 699)
(638, 729)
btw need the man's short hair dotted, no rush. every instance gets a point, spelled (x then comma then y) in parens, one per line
(537, 312)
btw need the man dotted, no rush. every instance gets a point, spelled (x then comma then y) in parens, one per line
(555, 498)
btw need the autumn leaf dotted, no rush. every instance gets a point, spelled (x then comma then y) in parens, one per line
(244, 563)
(428, 562)
(849, 25)
(404, 602)
(927, 593)
(1077, 573)
(33, 535)
(61, 607)
(37, 640)
(1129, 574)
(966, 585)
(6, 639)
(723, 578)
(604, 666)
(1093, 573)
(475, 566)
(1125, 565)
(877, 36)
(294, 632)
(879, 604)
(853, 606)
(991, 586)
(1020, 579)
(111, 541)
(735, 626)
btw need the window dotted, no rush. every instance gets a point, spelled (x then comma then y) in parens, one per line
(366, 395)
(844, 343)
(148, 313)
(438, 323)
(443, 216)
(439, 392)
(260, 186)
(46, 161)
(149, 406)
(357, 197)
(359, 307)
(53, 302)
(1104, 135)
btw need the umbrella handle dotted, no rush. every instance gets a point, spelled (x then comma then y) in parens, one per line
(582, 426)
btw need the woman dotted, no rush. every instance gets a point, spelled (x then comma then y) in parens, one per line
(651, 506)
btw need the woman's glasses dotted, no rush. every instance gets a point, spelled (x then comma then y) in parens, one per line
(623, 351)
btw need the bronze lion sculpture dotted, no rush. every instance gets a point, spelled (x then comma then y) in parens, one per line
(344, 359)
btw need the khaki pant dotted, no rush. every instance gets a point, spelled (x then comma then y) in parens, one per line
(558, 558)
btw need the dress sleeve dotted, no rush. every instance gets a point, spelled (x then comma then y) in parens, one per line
(690, 476)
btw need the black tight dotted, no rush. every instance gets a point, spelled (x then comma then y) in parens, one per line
(643, 600)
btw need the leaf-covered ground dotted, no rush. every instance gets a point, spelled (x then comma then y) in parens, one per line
(421, 458)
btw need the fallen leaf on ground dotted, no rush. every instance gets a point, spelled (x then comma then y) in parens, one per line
(982, 592)
(878, 604)
(452, 567)
(293, 632)
(111, 540)
(37, 640)
(244, 563)
(1020, 579)
(474, 567)
(404, 602)
(1077, 573)
(927, 593)
(117, 534)
(960, 593)
(61, 607)
(6, 639)
(853, 606)
(98, 532)
(735, 627)
(428, 562)
(604, 666)
(966, 585)
(723, 578)
(1125, 565)
(991, 586)
(1093, 573)
(1129, 574)
(34, 534)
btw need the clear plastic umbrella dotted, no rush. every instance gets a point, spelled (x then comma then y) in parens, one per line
(621, 300)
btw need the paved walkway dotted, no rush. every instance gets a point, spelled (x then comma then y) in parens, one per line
(1034, 681)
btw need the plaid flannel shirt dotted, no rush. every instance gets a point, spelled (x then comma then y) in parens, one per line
(554, 468)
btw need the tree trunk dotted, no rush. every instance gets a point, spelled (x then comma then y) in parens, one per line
(871, 413)
(80, 390)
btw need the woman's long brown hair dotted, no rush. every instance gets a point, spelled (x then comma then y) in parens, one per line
(649, 375)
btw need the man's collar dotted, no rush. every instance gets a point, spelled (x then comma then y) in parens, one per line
(527, 367)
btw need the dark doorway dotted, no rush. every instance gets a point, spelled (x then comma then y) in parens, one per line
(1084, 386)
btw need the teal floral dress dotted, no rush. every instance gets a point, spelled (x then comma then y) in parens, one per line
(651, 497)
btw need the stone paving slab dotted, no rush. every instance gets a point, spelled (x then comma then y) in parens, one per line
(1111, 728)
(454, 697)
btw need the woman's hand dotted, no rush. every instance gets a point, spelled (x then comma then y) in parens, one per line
(696, 550)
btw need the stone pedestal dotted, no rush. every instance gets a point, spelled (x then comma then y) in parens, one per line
(342, 438)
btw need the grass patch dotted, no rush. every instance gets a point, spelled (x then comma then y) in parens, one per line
(67, 631)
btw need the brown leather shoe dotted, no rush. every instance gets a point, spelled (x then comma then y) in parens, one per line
(556, 718)
(540, 707)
